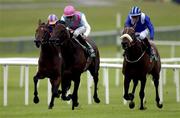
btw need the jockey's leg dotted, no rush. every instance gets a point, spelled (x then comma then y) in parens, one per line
(89, 48)
(150, 50)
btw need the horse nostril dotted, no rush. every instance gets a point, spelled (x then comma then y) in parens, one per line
(124, 45)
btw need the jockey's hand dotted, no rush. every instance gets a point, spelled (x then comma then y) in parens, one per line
(137, 35)
(70, 30)
(76, 33)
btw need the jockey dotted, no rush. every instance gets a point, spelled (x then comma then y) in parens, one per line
(76, 22)
(52, 19)
(141, 23)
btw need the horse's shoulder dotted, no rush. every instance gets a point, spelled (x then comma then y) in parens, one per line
(152, 44)
(90, 41)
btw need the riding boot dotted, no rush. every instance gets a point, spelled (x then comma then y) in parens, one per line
(89, 48)
(150, 50)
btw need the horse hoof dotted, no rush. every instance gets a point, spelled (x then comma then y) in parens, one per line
(36, 100)
(131, 105)
(76, 104)
(97, 100)
(160, 105)
(50, 107)
(142, 108)
(66, 98)
(72, 107)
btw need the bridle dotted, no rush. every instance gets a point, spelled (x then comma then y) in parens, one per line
(130, 38)
(60, 35)
(46, 33)
(134, 61)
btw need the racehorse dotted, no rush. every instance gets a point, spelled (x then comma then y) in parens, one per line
(49, 63)
(75, 59)
(137, 65)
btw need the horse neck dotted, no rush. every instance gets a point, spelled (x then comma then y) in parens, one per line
(72, 54)
(49, 50)
(135, 51)
(68, 49)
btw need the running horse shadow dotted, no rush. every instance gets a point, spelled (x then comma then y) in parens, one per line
(74, 62)
(49, 63)
(137, 65)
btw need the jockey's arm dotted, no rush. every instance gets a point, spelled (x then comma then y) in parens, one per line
(128, 22)
(150, 27)
(79, 31)
(62, 18)
(86, 25)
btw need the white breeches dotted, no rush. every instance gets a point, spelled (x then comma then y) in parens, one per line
(142, 35)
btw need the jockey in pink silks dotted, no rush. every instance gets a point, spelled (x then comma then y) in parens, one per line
(76, 21)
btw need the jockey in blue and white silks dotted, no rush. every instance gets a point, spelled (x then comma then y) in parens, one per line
(142, 26)
(77, 22)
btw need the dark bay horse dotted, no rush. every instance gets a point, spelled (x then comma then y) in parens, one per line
(74, 62)
(137, 65)
(49, 64)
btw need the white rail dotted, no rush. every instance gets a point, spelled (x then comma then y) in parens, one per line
(105, 66)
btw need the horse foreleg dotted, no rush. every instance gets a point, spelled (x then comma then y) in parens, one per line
(142, 94)
(65, 85)
(75, 93)
(36, 99)
(131, 95)
(156, 84)
(126, 88)
(55, 85)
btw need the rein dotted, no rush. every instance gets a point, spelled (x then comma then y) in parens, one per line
(134, 61)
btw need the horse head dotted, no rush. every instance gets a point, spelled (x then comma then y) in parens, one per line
(42, 34)
(134, 48)
(60, 33)
(128, 36)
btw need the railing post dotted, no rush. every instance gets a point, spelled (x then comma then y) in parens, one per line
(21, 76)
(5, 84)
(89, 85)
(176, 78)
(26, 84)
(164, 76)
(106, 82)
(117, 82)
(48, 91)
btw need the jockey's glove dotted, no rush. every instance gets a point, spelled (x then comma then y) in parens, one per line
(76, 33)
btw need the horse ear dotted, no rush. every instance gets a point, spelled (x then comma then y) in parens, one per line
(39, 22)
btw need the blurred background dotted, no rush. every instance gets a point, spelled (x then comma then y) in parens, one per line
(19, 20)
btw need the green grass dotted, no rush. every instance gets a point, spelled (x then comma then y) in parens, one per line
(17, 109)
